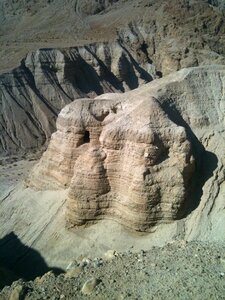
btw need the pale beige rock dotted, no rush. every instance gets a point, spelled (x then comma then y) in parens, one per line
(189, 97)
(121, 158)
(132, 158)
(89, 286)
(17, 293)
(72, 273)
(110, 254)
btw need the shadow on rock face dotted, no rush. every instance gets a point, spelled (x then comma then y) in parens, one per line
(206, 162)
(20, 261)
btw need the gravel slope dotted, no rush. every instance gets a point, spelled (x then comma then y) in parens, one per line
(179, 270)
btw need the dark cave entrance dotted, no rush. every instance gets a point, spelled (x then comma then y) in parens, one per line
(86, 137)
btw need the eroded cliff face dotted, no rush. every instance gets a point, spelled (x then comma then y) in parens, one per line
(128, 43)
(33, 94)
(151, 155)
(194, 98)
(123, 159)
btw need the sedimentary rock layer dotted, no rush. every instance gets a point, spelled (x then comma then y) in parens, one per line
(141, 157)
(33, 94)
(122, 158)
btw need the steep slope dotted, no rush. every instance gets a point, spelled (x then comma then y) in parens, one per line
(194, 99)
(33, 94)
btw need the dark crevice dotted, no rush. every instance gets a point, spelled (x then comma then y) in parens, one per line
(143, 74)
(107, 75)
(159, 74)
(86, 137)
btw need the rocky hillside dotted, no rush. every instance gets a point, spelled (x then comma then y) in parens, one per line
(127, 43)
(122, 157)
(33, 94)
(180, 270)
(143, 147)
(141, 157)
(137, 151)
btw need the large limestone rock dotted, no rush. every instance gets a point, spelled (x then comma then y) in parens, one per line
(122, 158)
(151, 155)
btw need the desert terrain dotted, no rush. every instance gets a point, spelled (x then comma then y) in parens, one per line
(112, 138)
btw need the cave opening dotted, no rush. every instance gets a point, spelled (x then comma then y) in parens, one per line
(86, 137)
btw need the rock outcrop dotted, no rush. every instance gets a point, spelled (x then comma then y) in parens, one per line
(127, 43)
(194, 98)
(134, 157)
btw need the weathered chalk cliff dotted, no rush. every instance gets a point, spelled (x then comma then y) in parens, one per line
(121, 158)
(146, 156)
(33, 94)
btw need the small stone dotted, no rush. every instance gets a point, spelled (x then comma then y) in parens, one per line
(80, 258)
(73, 272)
(46, 276)
(222, 274)
(110, 254)
(89, 286)
(72, 265)
(153, 265)
(17, 293)
(85, 262)
(98, 262)
(112, 281)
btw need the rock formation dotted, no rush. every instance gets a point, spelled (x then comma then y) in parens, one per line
(33, 94)
(151, 159)
(133, 157)
(122, 159)
(127, 43)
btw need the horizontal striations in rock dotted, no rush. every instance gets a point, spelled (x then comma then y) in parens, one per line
(32, 95)
(122, 158)
(146, 156)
